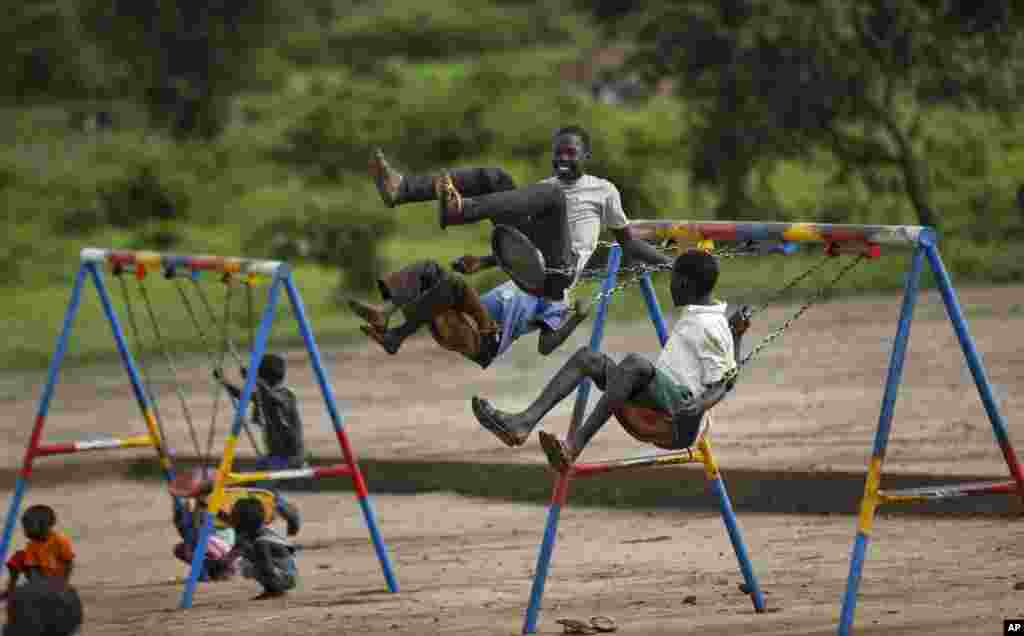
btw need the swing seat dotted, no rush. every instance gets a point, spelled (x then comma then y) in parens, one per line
(234, 495)
(654, 426)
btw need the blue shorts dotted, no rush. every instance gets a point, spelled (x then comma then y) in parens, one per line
(520, 313)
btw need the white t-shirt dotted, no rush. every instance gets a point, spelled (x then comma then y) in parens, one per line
(699, 350)
(592, 203)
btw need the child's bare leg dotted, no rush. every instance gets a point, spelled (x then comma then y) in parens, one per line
(622, 381)
(514, 428)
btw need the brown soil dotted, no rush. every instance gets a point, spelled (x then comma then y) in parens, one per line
(808, 405)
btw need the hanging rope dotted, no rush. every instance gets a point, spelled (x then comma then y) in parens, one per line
(147, 383)
(215, 361)
(171, 364)
(229, 346)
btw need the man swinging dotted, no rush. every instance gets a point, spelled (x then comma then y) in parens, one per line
(662, 403)
(562, 216)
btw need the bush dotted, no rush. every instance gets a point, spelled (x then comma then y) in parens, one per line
(426, 31)
(141, 197)
(328, 229)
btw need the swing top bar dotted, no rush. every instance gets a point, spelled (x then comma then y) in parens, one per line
(161, 261)
(907, 235)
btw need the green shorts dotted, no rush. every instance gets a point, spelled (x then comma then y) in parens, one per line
(661, 393)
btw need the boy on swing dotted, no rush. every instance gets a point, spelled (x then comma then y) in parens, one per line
(561, 216)
(662, 402)
(276, 411)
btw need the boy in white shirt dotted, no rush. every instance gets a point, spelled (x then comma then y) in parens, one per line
(662, 402)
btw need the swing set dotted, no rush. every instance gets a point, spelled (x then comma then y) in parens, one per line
(859, 241)
(228, 485)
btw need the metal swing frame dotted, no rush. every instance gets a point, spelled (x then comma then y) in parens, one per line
(93, 262)
(865, 241)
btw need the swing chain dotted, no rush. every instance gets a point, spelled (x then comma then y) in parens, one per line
(792, 319)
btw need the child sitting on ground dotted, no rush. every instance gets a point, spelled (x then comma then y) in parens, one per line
(196, 487)
(48, 553)
(266, 556)
(662, 403)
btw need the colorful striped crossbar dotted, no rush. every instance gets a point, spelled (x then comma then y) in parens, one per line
(138, 441)
(320, 472)
(158, 261)
(653, 230)
(688, 456)
(935, 493)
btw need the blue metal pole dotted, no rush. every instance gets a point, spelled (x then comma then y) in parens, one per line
(725, 505)
(583, 393)
(872, 483)
(258, 348)
(52, 378)
(325, 388)
(956, 316)
(547, 547)
(138, 388)
(654, 308)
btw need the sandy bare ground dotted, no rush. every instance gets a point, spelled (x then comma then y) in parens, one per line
(808, 404)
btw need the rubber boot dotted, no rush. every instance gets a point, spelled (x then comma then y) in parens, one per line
(551, 340)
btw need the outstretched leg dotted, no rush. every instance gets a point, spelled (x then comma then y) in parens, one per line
(623, 381)
(396, 188)
(539, 211)
(421, 291)
(514, 428)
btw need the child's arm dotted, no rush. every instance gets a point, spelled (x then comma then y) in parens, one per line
(232, 390)
(470, 264)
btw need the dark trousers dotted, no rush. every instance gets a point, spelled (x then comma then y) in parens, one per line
(539, 211)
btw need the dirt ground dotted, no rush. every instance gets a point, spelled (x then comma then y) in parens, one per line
(808, 404)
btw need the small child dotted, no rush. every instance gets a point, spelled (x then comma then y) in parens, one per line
(217, 566)
(276, 411)
(267, 557)
(48, 553)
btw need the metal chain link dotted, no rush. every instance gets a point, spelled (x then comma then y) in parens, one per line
(767, 340)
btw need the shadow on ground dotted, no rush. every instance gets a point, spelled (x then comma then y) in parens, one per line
(680, 488)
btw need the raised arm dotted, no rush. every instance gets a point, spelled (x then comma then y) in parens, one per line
(637, 249)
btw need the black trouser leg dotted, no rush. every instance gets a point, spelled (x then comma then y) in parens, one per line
(583, 364)
(471, 182)
(540, 212)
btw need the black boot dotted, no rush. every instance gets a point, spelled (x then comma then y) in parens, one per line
(551, 340)
(391, 339)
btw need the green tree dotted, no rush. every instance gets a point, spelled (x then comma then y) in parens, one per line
(45, 52)
(186, 57)
(866, 82)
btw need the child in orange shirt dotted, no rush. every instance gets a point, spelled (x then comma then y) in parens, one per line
(48, 553)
